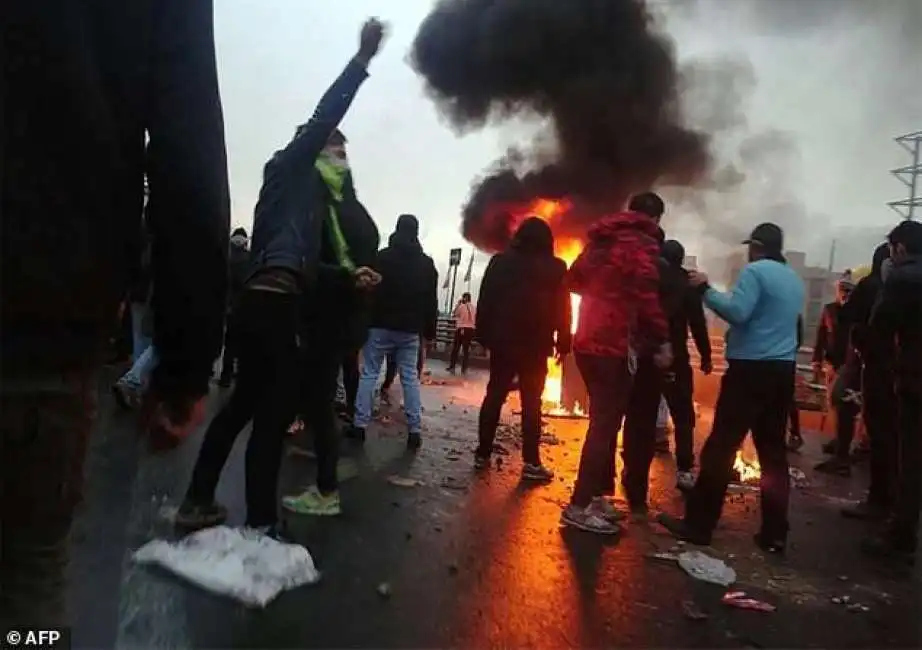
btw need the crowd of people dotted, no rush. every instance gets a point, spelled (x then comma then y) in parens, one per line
(310, 293)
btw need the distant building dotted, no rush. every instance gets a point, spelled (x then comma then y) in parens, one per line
(819, 286)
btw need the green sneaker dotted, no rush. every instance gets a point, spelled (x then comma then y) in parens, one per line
(312, 502)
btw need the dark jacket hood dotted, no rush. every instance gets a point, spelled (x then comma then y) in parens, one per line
(611, 227)
(881, 255)
(534, 236)
(400, 239)
(672, 252)
(908, 269)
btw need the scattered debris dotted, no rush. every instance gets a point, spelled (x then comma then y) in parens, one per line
(549, 439)
(692, 611)
(499, 449)
(404, 481)
(740, 600)
(798, 478)
(454, 454)
(452, 483)
(702, 566)
(384, 590)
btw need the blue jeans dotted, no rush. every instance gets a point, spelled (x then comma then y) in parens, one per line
(139, 373)
(139, 342)
(405, 347)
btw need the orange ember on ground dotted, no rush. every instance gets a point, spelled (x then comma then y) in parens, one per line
(748, 471)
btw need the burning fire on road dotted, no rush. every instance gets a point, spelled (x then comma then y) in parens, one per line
(746, 471)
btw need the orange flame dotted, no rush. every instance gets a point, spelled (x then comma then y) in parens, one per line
(749, 471)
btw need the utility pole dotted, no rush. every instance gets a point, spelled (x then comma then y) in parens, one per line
(454, 261)
(832, 255)
(909, 176)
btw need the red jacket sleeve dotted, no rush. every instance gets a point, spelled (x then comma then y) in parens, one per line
(643, 292)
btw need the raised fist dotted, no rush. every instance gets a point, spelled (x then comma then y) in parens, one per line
(373, 32)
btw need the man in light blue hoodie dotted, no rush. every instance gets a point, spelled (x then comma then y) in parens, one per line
(756, 392)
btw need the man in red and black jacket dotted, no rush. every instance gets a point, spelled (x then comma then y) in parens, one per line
(620, 320)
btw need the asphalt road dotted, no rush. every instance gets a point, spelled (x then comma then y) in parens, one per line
(475, 562)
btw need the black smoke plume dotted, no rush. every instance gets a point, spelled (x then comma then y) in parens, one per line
(599, 75)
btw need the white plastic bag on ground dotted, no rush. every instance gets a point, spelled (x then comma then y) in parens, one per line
(709, 569)
(238, 562)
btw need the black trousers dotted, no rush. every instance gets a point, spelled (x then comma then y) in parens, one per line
(679, 389)
(319, 370)
(531, 369)
(639, 436)
(390, 369)
(608, 382)
(463, 339)
(755, 396)
(904, 527)
(350, 368)
(266, 392)
(880, 409)
(846, 414)
(794, 418)
(45, 424)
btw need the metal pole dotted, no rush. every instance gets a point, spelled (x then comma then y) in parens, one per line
(454, 280)
(832, 255)
(914, 178)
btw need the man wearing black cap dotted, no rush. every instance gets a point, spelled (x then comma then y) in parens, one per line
(897, 317)
(756, 392)
(404, 310)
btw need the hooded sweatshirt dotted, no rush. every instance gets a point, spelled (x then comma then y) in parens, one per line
(897, 317)
(524, 305)
(407, 298)
(617, 278)
(855, 314)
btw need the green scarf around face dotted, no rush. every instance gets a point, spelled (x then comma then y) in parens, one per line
(334, 175)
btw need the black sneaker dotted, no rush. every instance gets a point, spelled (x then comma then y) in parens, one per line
(835, 467)
(677, 527)
(196, 516)
(768, 545)
(481, 462)
(537, 473)
(414, 441)
(355, 433)
(865, 511)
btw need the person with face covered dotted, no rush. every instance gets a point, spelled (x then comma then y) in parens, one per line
(756, 391)
(291, 226)
(897, 319)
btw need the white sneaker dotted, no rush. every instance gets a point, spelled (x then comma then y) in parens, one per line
(684, 480)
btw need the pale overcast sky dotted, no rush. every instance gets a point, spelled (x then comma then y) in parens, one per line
(830, 84)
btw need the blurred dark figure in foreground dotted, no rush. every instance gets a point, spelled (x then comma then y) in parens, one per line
(288, 229)
(239, 269)
(523, 318)
(76, 114)
(897, 317)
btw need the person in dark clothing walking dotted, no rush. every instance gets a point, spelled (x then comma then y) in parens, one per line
(617, 277)
(238, 271)
(404, 310)
(465, 316)
(75, 116)
(755, 393)
(687, 315)
(523, 318)
(288, 233)
(831, 350)
(897, 317)
(335, 324)
(879, 405)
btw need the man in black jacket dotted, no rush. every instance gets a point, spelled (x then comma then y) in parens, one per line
(76, 112)
(686, 314)
(879, 406)
(288, 226)
(523, 318)
(404, 306)
(335, 323)
(897, 317)
(238, 271)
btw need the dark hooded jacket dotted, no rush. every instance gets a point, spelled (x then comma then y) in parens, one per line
(407, 298)
(897, 317)
(682, 305)
(336, 311)
(855, 316)
(524, 305)
(617, 279)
